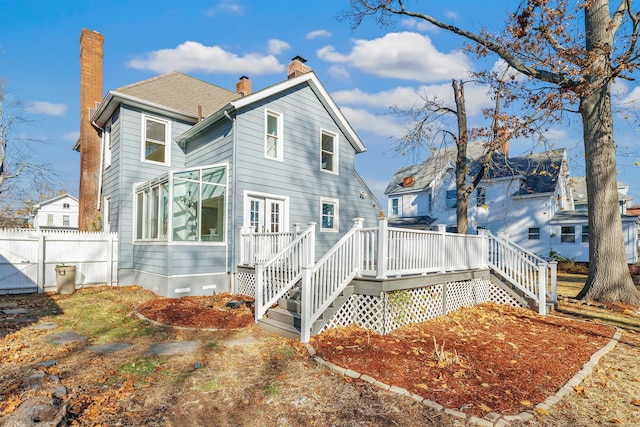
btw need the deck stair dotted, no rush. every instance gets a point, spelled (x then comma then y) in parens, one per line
(518, 294)
(284, 319)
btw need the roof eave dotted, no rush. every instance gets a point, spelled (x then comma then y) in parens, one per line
(113, 100)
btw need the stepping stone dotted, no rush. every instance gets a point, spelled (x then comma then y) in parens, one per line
(109, 347)
(48, 363)
(8, 304)
(65, 337)
(15, 311)
(45, 326)
(179, 347)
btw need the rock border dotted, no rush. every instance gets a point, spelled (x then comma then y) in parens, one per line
(492, 419)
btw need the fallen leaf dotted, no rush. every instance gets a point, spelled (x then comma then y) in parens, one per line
(579, 389)
(422, 386)
(526, 403)
(485, 408)
(635, 402)
(542, 411)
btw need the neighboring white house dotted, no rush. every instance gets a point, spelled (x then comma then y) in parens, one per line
(529, 197)
(58, 213)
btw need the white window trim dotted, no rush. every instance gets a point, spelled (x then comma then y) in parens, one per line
(280, 144)
(247, 194)
(336, 152)
(336, 217)
(106, 141)
(391, 200)
(106, 214)
(167, 138)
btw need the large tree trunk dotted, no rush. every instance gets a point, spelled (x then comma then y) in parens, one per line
(609, 278)
(462, 195)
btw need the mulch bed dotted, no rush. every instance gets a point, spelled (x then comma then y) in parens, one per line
(214, 312)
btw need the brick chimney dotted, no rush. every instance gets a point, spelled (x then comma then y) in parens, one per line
(243, 87)
(91, 54)
(503, 139)
(297, 67)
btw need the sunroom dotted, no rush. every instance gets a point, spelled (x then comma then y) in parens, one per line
(183, 206)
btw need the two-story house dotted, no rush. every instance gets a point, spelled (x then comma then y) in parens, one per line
(531, 197)
(186, 164)
(57, 213)
(518, 195)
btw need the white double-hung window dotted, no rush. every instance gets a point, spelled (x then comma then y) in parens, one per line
(155, 140)
(329, 152)
(329, 215)
(273, 142)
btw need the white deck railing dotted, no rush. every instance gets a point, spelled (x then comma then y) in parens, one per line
(389, 252)
(524, 269)
(323, 282)
(275, 277)
(259, 247)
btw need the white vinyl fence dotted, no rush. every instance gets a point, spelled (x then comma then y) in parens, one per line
(28, 258)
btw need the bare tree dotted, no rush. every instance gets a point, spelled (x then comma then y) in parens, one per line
(571, 57)
(15, 153)
(431, 127)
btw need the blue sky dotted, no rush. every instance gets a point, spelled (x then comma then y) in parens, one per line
(366, 71)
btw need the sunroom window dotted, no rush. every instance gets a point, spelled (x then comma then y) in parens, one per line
(197, 208)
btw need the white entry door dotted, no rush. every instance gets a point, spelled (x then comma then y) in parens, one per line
(266, 215)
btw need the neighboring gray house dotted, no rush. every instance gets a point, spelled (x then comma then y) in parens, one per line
(186, 164)
(57, 213)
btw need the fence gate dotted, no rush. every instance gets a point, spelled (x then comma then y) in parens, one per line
(18, 263)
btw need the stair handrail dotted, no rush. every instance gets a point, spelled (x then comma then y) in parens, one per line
(522, 268)
(276, 276)
(323, 282)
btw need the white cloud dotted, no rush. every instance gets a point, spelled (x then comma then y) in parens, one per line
(363, 120)
(318, 33)
(406, 97)
(419, 25)
(46, 108)
(451, 14)
(194, 56)
(276, 46)
(71, 136)
(406, 55)
(339, 72)
(224, 6)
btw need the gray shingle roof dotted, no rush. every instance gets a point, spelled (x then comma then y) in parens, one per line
(539, 171)
(182, 92)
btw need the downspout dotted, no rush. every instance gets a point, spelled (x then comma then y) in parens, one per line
(234, 140)
(101, 165)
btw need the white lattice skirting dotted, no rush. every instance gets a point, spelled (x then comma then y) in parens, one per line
(392, 310)
(245, 284)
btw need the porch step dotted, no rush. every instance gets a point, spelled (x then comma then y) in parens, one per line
(279, 328)
(285, 319)
(519, 295)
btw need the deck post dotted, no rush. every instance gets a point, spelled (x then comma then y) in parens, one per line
(305, 309)
(542, 289)
(553, 268)
(311, 258)
(442, 229)
(383, 248)
(357, 250)
(259, 272)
